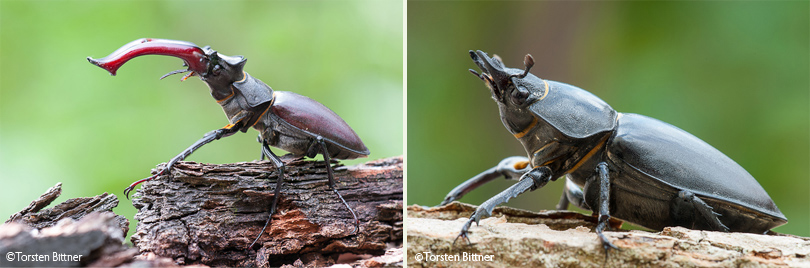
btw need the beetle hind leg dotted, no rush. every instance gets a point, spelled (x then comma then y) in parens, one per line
(321, 143)
(683, 213)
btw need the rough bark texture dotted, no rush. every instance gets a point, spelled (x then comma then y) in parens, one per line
(74, 208)
(518, 238)
(95, 240)
(78, 232)
(209, 214)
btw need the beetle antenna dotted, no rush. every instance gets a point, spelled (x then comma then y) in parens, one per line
(187, 76)
(528, 62)
(175, 72)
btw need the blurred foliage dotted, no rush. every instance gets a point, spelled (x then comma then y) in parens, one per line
(734, 74)
(63, 119)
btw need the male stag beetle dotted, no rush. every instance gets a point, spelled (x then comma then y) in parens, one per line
(628, 166)
(285, 120)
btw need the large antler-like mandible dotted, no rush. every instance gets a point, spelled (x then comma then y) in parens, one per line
(193, 56)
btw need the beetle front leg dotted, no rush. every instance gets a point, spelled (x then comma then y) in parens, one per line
(511, 168)
(228, 130)
(530, 181)
(604, 201)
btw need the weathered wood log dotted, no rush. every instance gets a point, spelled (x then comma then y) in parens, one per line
(74, 208)
(78, 232)
(95, 240)
(209, 214)
(519, 238)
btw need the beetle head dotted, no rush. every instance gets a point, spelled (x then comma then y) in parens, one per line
(509, 86)
(222, 70)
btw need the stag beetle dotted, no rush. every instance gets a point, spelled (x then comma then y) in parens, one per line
(629, 166)
(285, 120)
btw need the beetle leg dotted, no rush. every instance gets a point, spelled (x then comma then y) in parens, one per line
(572, 194)
(471, 184)
(510, 167)
(563, 204)
(686, 202)
(228, 130)
(530, 181)
(604, 200)
(331, 174)
(259, 139)
(277, 192)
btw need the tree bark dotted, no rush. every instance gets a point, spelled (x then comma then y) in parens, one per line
(74, 208)
(519, 238)
(209, 214)
(78, 232)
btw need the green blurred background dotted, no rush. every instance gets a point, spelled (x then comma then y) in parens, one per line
(65, 120)
(734, 74)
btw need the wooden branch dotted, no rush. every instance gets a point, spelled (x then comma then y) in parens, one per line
(80, 231)
(519, 238)
(209, 214)
(74, 208)
(96, 240)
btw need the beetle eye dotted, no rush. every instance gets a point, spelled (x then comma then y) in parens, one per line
(519, 95)
(217, 69)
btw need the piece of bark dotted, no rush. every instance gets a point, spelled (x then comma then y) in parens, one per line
(500, 242)
(74, 208)
(78, 232)
(209, 214)
(392, 258)
(43, 201)
(94, 240)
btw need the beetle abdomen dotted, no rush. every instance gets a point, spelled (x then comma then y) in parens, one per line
(676, 158)
(315, 119)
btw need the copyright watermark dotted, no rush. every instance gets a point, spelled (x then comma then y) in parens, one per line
(463, 256)
(17, 256)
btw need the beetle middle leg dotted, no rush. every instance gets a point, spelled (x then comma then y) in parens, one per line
(512, 167)
(277, 192)
(604, 201)
(532, 180)
(572, 194)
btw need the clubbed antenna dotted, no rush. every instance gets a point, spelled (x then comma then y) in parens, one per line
(528, 62)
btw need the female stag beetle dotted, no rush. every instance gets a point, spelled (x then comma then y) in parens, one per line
(628, 166)
(285, 120)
